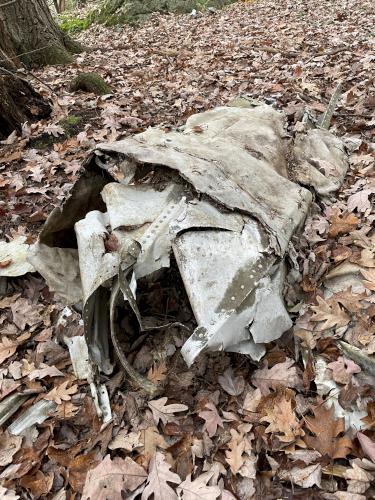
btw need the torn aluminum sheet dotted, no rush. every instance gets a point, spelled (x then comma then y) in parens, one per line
(83, 370)
(35, 414)
(10, 404)
(219, 197)
(13, 257)
(321, 159)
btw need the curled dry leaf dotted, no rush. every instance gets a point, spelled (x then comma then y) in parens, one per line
(163, 412)
(111, 478)
(212, 419)
(61, 393)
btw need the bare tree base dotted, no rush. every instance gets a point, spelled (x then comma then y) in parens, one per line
(19, 103)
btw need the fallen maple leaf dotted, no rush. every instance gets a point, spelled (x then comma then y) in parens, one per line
(212, 418)
(330, 313)
(326, 429)
(198, 489)
(61, 392)
(284, 374)
(342, 224)
(158, 479)
(112, 477)
(231, 384)
(163, 412)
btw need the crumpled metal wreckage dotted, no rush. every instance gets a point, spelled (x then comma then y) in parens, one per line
(224, 195)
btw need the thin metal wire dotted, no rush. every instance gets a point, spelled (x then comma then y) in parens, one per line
(7, 3)
(28, 52)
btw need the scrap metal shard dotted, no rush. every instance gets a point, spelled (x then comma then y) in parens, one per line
(217, 196)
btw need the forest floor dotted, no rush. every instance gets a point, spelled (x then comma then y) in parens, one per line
(236, 429)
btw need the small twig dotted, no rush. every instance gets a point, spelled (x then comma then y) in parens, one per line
(332, 52)
(27, 72)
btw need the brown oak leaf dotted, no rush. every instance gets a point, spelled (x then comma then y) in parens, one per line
(198, 489)
(342, 224)
(112, 477)
(326, 429)
(163, 412)
(282, 421)
(61, 392)
(330, 313)
(158, 479)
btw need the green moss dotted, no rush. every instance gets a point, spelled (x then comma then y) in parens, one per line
(71, 125)
(44, 141)
(70, 24)
(90, 82)
(135, 11)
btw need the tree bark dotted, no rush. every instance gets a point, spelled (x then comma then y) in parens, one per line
(18, 103)
(29, 33)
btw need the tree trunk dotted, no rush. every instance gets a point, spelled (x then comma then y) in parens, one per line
(18, 103)
(29, 33)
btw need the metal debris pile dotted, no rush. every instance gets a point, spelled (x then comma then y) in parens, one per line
(222, 197)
